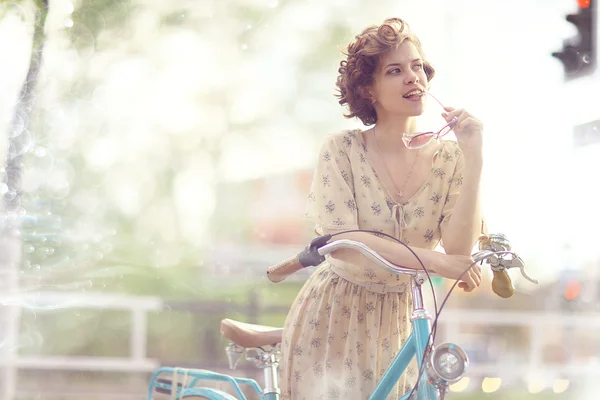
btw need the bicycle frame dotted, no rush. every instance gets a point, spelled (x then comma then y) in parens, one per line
(183, 389)
(415, 346)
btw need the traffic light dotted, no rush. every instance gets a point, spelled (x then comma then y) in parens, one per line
(572, 290)
(579, 53)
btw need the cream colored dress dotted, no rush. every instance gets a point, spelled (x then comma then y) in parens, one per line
(350, 320)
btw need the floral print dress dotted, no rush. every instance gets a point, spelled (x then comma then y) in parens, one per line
(350, 319)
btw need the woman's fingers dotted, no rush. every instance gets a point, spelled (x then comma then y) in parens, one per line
(464, 118)
(468, 121)
(471, 280)
(466, 286)
(456, 113)
(477, 271)
(476, 277)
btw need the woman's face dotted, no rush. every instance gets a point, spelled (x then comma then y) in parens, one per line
(400, 82)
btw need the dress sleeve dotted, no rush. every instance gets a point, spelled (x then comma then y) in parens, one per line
(331, 202)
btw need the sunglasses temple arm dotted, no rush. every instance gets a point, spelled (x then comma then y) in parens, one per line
(448, 128)
(435, 98)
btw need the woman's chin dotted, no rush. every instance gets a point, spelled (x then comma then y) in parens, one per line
(413, 110)
(416, 112)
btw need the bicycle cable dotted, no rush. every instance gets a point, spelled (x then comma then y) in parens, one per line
(377, 233)
(433, 333)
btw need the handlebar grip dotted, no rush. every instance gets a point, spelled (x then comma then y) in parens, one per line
(279, 272)
(502, 284)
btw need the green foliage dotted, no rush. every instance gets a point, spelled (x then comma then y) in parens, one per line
(176, 335)
(98, 16)
(332, 43)
(75, 332)
(174, 18)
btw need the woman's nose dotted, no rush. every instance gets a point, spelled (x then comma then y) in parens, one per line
(412, 78)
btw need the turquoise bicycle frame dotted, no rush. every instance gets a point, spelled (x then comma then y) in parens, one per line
(178, 387)
(415, 346)
(209, 393)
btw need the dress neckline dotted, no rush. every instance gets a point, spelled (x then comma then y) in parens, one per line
(359, 133)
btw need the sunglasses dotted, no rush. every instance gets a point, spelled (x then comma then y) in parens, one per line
(421, 139)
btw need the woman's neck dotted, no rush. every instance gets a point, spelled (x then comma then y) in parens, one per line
(389, 131)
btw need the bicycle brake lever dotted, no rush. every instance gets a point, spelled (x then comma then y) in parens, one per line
(517, 262)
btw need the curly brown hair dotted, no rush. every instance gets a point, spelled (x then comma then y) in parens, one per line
(362, 56)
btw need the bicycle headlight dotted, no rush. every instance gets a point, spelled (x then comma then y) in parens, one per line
(447, 363)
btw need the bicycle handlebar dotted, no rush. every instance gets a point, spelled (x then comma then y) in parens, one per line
(495, 249)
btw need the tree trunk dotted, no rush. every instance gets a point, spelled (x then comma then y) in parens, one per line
(11, 211)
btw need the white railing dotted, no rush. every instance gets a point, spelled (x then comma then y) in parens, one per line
(538, 324)
(138, 305)
(452, 325)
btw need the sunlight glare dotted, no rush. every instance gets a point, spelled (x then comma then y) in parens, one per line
(490, 385)
(461, 385)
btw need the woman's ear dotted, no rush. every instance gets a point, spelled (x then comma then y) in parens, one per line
(371, 96)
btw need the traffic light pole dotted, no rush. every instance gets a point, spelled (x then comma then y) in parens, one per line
(579, 100)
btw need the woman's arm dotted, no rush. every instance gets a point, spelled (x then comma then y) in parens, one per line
(394, 252)
(464, 228)
(448, 266)
(462, 231)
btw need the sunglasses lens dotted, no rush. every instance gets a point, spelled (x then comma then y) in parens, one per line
(418, 141)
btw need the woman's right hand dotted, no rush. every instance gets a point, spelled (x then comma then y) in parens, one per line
(452, 266)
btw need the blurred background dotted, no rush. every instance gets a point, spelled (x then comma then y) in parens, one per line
(157, 157)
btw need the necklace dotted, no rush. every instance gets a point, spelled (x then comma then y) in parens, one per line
(399, 192)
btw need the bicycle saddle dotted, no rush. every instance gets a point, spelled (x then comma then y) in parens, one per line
(250, 335)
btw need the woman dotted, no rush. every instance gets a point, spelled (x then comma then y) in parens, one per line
(350, 318)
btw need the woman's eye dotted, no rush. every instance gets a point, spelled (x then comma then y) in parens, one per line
(418, 67)
(394, 71)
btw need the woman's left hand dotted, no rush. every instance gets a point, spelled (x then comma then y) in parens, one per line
(468, 131)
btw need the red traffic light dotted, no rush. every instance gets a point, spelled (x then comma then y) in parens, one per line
(572, 290)
(584, 3)
(578, 54)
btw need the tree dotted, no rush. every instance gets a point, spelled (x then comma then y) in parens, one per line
(10, 206)
(126, 39)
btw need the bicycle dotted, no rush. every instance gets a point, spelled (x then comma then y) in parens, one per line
(439, 366)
